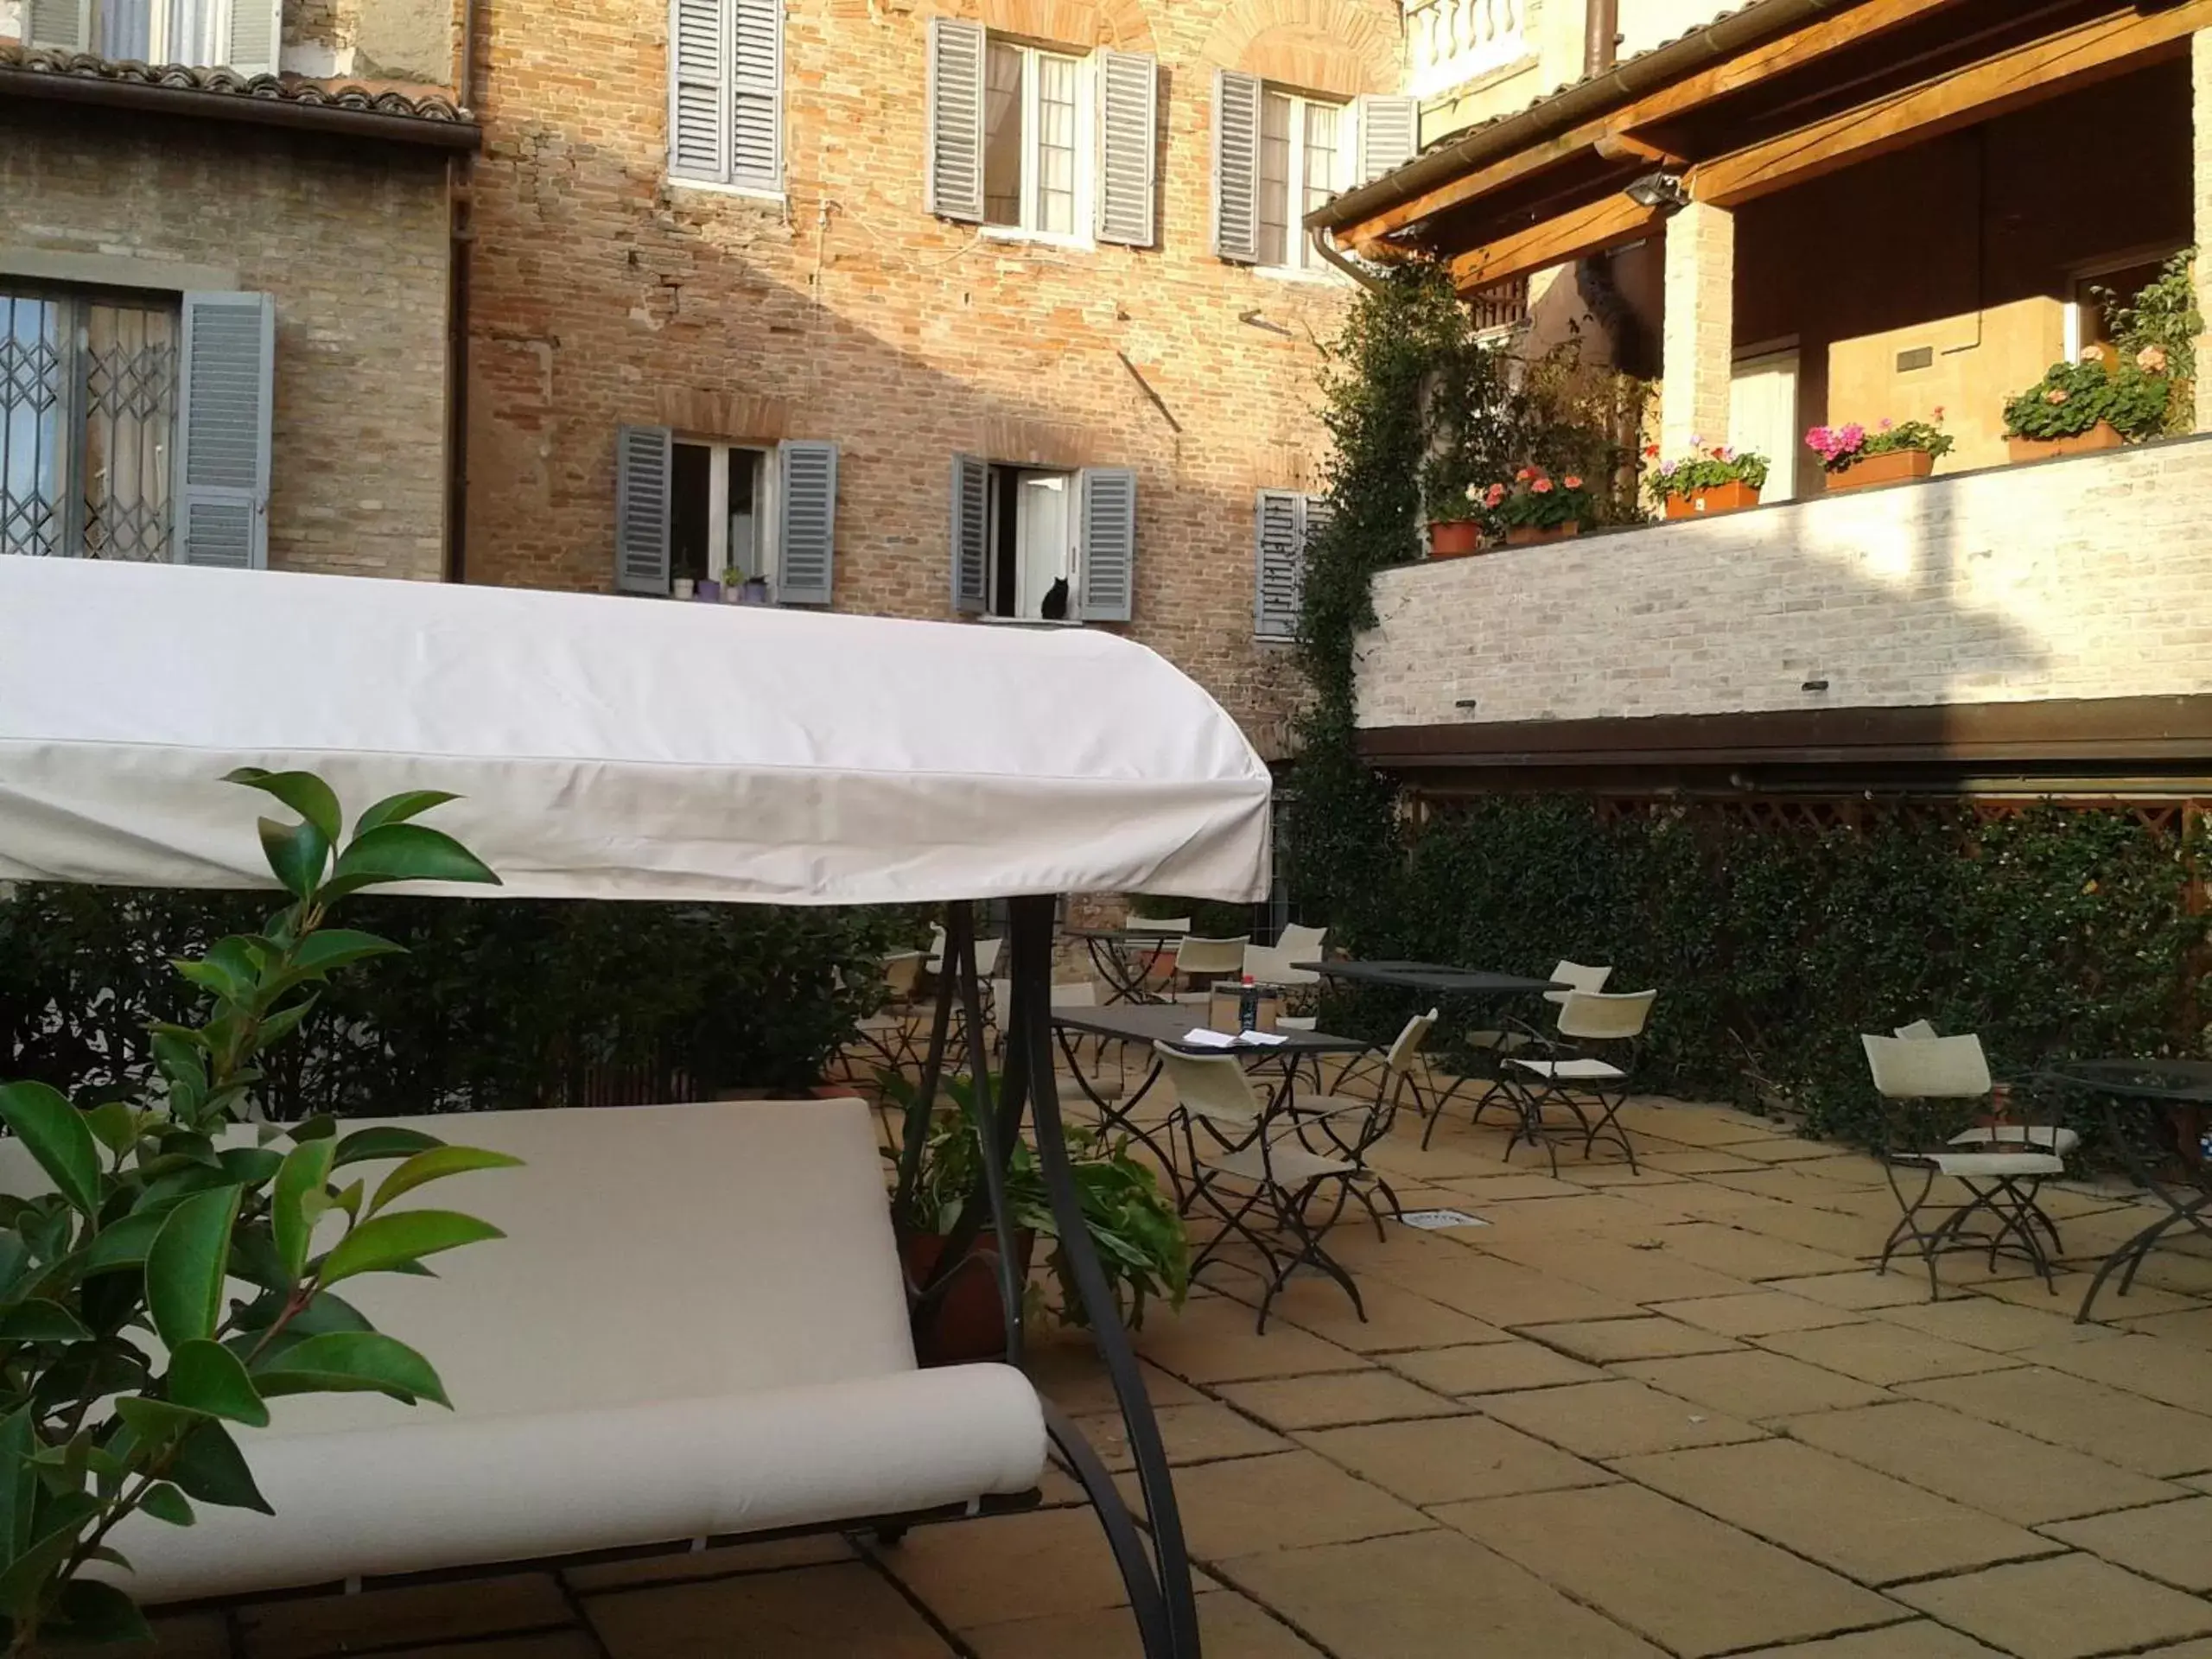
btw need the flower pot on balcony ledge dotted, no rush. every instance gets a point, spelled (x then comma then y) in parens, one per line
(1454, 538)
(1730, 497)
(2102, 435)
(1892, 467)
(1530, 535)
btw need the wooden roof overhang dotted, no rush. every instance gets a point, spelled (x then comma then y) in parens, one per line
(1767, 96)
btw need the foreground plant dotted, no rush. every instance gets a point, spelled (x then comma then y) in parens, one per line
(1702, 470)
(1841, 447)
(121, 1366)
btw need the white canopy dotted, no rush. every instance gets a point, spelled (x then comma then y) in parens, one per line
(608, 748)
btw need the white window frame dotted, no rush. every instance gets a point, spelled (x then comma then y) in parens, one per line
(1072, 481)
(1302, 263)
(765, 537)
(1086, 145)
(723, 187)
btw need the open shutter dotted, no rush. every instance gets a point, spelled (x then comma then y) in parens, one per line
(224, 387)
(641, 486)
(1107, 552)
(1236, 166)
(1281, 539)
(256, 29)
(957, 119)
(756, 125)
(64, 25)
(1389, 134)
(971, 518)
(806, 504)
(698, 112)
(1129, 123)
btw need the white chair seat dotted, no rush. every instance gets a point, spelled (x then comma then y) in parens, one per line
(2046, 1137)
(1293, 1166)
(1580, 1069)
(1989, 1164)
(1298, 1022)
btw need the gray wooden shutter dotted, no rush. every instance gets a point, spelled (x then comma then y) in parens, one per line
(64, 25)
(1389, 128)
(1107, 548)
(1129, 126)
(256, 29)
(1281, 534)
(1236, 166)
(971, 518)
(806, 507)
(957, 119)
(641, 490)
(225, 389)
(756, 126)
(698, 112)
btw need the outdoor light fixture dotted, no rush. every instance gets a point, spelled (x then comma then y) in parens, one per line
(1664, 191)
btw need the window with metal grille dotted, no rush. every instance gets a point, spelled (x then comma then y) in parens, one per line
(1500, 307)
(88, 398)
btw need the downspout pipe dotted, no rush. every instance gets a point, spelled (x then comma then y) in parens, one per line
(1619, 85)
(461, 214)
(1600, 34)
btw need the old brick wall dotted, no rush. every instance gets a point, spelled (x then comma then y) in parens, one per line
(350, 238)
(2005, 585)
(604, 295)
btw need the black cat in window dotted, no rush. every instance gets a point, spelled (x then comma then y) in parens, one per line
(1055, 606)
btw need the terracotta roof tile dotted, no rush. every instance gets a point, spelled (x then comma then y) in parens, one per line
(296, 89)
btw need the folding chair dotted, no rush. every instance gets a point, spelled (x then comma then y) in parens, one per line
(1367, 1119)
(1574, 1075)
(2002, 1167)
(1495, 1045)
(2044, 1137)
(1252, 1160)
(1199, 962)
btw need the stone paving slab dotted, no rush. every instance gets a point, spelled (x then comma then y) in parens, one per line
(553, 1644)
(666, 1566)
(1006, 1567)
(2108, 1423)
(1284, 1502)
(1754, 1384)
(1756, 1314)
(1882, 1352)
(1654, 1565)
(803, 1614)
(1616, 1420)
(1201, 1434)
(2171, 1542)
(1492, 1368)
(1396, 1319)
(2069, 1607)
(1918, 1640)
(1229, 1626)
(1867, 1526)
(1618, 1269)
(1862, 1289)
(1742, 1254)
(2000, 1326)
(2174, 1373)
(1503, 1293)
(1645, 1336)
(298, 1628)
(1443, 1458)
(1216, 1341)
(1336, 1398)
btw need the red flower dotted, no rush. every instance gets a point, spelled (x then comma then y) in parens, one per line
(1571, 481)
(1493, 495)
(1541, 486)
(1523, 476)
(1651, 452)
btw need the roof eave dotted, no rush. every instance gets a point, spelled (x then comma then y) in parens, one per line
(251, 108)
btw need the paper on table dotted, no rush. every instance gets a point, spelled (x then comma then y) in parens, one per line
(1200, 1037)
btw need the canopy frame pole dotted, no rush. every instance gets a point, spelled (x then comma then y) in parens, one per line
(1164, 1582)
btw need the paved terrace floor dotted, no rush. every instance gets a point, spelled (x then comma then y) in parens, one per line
(1671, 1414)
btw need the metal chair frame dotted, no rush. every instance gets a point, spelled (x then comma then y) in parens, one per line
(1593, 1023)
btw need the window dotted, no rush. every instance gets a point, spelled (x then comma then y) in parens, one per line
(1301, 166)
(1029, 144)
(1282, 521)
(1278, 154)
(726, 93)
(99, 391)
(694, 510)
(241, 35)
(1038, 544)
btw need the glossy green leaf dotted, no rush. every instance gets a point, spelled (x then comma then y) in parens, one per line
(305, 1170)
(207, 1376)
(365, 1144)
(18, 1480)
(298, 854)
(408, 852)
(155, 1423)
(93, 1612)
(304, 793)
(52, 1131)
(339, 947)
(351, 1361)
(40, 1321)
(165, 1502)
(397, 809)
(209, 1467)
(248, 1165)
(114, 1125)
(401, 1240)
(435, 1166)
(184, 1268)
(275, 1027)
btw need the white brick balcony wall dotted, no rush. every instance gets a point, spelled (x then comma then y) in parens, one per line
(2089, 577)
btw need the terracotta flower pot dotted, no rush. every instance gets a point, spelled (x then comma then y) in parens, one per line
(1730, 497)
(2102, 435)
(1893, 467)
(1454, 538)
(970, 1322)
(1531, 535)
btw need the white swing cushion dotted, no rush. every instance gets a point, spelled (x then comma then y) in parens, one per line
(2044, 1137)
(696, 1325)
(1580, 1069)
(1991, 1165)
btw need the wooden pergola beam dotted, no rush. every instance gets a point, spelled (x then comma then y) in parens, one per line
(1603, 224)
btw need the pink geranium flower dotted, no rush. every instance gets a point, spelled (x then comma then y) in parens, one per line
(1541, 486)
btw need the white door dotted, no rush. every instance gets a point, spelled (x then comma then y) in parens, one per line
(1043, 540)
(1762, 416)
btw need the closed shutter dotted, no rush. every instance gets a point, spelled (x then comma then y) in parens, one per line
(756, 141)
(1107, 546)
(64, 25)
(1281, 539)
(1236, 166)
(256, 31)
(957, 119)
(224, 386)
(1129, 123)
(806, 504)
(641, 486)
(1389, 134)
(698, 112)
(971, 548)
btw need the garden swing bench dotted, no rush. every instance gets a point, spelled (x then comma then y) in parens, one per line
(697, 1326)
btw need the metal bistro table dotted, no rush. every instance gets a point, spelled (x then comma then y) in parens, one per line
(1111, 955)
(2178, 1094)
(1170, 1023)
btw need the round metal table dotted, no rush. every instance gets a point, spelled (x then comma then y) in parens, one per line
(2175, 1098)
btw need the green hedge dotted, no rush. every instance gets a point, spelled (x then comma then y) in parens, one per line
(497, 1004)
(2052, 933)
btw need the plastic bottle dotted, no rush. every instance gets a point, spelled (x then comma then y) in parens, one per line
(1248, 1005)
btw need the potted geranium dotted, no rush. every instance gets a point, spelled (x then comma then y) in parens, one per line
(2091, 404)
(1854, 458)
(1534, 506)
(1454, 504)
(1719, 479)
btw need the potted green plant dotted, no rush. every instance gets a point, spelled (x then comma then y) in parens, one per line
(1454, 505)
(1534, 506)
(2095, 403)
(1133, 1223)
(2157, 330)
(1719, 479)
(1852, 458)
